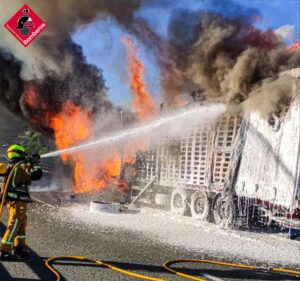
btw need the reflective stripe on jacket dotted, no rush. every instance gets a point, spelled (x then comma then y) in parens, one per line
(21, 179)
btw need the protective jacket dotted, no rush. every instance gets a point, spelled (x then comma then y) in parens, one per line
(20, 180)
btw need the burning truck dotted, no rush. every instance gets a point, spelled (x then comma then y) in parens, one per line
(238, 170)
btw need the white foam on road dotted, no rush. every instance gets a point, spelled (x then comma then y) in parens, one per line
(185, 232)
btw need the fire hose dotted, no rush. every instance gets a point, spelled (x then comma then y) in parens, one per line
(166, 266)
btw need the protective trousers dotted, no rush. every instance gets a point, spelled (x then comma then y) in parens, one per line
(15, 233)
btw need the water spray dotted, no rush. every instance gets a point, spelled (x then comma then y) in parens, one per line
(203, 112)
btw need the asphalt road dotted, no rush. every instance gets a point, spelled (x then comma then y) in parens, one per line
(50, 237)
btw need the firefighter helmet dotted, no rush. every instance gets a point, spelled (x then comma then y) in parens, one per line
(22, 21)
(16, 151)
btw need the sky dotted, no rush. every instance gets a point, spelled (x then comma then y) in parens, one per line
(102, 45)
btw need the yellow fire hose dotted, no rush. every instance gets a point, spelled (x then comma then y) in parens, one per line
(166, 266)
(6, 188)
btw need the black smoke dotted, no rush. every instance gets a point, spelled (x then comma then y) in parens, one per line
(11, 85)
(54, 66)
(230, 59)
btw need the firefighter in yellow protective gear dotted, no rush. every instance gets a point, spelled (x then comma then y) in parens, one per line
(19, 172)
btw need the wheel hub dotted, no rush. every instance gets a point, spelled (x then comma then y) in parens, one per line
(224, 210)
(199, 205)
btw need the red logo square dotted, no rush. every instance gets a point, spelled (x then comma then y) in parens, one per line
(25, 25)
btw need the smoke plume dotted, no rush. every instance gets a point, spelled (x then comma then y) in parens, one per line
(230, 60)
(218, 51)
(63, 18)
(53, 69)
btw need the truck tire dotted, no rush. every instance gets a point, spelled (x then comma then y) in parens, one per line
(105, 207)
(178, 202)
(200, 205)
(224, 211)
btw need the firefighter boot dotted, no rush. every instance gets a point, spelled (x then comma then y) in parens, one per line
(5, 256)
(21, 252)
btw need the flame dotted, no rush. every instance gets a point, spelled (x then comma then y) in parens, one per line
(96, 175)
(71, 126)
(294, 47)
(32, 100)
(143, 103)
(30, 95)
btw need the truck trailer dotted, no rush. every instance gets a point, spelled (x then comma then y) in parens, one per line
(238, 170)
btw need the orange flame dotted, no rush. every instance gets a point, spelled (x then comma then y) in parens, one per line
(71, 126)
(143, 103)
(96, 175)
(30, 95)
(294, 47)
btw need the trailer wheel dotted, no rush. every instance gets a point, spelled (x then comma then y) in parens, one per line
(179, 202)
(224, 211)
(200, 205)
